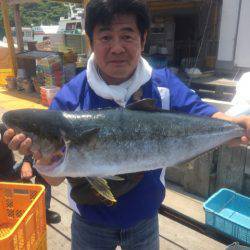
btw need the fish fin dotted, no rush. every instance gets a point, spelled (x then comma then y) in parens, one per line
(146, 104)
(114, 178)
(101, 187)
(87, 136)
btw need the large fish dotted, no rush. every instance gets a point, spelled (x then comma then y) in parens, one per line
(111, 142)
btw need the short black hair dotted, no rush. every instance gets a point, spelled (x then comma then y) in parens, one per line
(104, 11)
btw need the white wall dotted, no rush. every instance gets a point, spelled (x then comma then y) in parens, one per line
(242, 56)
(228, 29)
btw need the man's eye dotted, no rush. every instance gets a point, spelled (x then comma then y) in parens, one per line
(127, 38)
(105, 38)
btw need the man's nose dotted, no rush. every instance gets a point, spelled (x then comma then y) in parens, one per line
(117, 47)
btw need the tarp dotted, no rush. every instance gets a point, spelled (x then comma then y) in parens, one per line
(5, 63)
(5, 60)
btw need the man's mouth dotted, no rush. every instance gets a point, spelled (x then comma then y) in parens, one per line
(117, 61)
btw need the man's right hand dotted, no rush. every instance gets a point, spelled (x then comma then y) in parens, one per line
(23, 144)
(20, 142)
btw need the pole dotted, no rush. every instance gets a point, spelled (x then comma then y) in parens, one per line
(7, 28)
(19, 33)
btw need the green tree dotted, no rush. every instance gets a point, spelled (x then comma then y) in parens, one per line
(46, 13)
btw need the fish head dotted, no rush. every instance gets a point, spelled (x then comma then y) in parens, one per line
(17, 119)
(28, 120)
(42, 126)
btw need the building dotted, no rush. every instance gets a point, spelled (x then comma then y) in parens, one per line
(209, 34)
(234, 42)
(44, 31)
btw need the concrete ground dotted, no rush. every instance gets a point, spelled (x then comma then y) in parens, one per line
(173, 236)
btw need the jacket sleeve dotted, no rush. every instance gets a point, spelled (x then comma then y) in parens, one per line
(28, 158)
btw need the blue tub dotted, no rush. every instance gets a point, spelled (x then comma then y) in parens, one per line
(229, 212)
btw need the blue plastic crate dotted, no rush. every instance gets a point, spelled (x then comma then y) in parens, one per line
(229, 212)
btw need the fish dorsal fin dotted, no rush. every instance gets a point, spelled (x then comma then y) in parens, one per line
(146, 104)
(101, 186)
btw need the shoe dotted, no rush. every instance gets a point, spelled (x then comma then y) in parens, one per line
(52, 217)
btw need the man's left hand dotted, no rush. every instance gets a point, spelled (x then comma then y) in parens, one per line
(243, 121)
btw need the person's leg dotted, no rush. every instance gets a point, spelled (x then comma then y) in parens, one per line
(145, 235)
(40, 180)
(91, 237)
(52, 217)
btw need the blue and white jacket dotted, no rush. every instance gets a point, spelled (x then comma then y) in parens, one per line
(144, 200)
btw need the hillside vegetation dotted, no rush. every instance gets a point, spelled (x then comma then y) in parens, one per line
(45, 13)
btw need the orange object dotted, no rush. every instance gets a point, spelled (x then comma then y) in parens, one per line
(47, 94)
(43, 94)
(22, 216)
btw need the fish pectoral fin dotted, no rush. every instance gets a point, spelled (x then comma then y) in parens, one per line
(101, 186)
(114, 178)
(146, 104)
(87, 136)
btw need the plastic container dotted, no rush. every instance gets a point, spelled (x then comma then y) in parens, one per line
(22, 217)
(47, 94)
(236, 246)
(229, 212)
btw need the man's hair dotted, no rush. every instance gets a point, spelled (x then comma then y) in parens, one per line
(104, 11)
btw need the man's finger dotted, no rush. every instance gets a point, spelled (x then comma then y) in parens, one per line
(25, 146)
(37, 155)
(248, 131)
(8, 135)
(244, 140)
(16, 141)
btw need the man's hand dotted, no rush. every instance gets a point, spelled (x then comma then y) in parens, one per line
(17, 142)
(243, 121)
(21, 143)
(26, 171)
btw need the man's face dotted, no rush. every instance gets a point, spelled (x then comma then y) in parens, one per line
(117, 48)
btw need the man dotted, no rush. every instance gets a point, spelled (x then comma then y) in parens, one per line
(117, 75)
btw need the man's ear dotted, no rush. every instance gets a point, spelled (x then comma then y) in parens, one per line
(143, 41)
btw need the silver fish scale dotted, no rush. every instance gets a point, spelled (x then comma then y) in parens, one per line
(137, 124)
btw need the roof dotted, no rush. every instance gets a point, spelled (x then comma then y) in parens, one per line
(52, 29)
